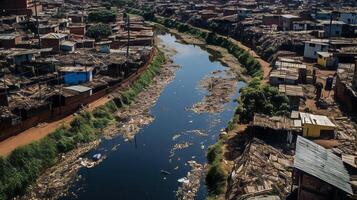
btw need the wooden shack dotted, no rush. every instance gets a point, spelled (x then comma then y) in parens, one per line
(318, 173)
(294, 93)
(276, 129)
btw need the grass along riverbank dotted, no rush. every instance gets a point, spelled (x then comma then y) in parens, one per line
(25, 164)
(256, 97)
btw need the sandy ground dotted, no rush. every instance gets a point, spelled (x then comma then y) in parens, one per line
(41, 131)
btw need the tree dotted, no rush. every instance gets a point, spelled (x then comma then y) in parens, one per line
(104, 16)
(263, 99)
(99, 31)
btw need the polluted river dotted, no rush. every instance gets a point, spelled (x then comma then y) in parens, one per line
(155, 164)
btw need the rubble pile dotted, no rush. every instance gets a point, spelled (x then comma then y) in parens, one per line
(220, 90)
(260, 170)
(136, 116)
(346, 129)
(191, 183)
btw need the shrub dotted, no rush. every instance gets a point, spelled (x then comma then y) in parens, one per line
(263, 99)
(216, 177)
(214, 153)
(99, 31)
(103, 16)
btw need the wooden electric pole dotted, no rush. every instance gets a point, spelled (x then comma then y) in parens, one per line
(37, 25)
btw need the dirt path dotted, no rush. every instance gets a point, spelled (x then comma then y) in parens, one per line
(36, 133)
(265, 65)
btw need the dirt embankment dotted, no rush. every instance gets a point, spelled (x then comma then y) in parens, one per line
(56, 181)
(221, 85)
(42, 130)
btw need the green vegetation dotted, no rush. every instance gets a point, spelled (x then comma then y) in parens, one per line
(25, 164)
(144, 80)
(22, 167)
(103, 16)
(252, 66)
(121, 3)
(99, 31)
(263, 99)
(216, 177)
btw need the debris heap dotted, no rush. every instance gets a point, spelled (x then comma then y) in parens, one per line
(261, 170)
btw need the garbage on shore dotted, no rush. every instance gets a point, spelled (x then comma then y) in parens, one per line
(261, 169)
(135, 116)
(55, 181)
(191, 183)
(220, 90)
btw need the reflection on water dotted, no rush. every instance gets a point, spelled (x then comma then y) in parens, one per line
(133, 170)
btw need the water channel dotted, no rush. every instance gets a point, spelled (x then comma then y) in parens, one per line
(132, 171)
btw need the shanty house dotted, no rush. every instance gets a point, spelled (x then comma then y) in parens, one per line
(76, 75)
(275, 129)
(287, 21)
(319, 174)
(67, 46)
(315, 126)
(287, 63)
(104, 46)
(333, 29)
(53, 40)
(349, 17)
(8, 41)
(294, 93)
(77, 29)
(346, 87)
(23, 56)
(313, 46)
(326, 59)
(284, 76)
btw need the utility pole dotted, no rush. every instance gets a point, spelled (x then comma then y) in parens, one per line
(37, 25)
(128, 41)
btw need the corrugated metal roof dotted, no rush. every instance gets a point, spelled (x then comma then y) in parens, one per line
(315, 160)
(54, 36)
(78, 88)
(307, 118)
(291, 90)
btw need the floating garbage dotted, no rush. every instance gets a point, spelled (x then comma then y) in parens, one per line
(191, 183)
(165, 172)
(97, 156)
(183, 180)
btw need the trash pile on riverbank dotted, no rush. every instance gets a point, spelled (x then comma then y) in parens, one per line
(56, 181)
(260, 170)
(191, 183)
(134, 117)
(220, 91)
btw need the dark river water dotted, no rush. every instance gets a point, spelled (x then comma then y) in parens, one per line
(132, 171)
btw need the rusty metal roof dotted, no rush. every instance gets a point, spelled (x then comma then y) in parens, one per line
(317, 161)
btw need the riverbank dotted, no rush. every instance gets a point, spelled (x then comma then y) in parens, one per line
(220, 85)
(256, 97)
(55, 158)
